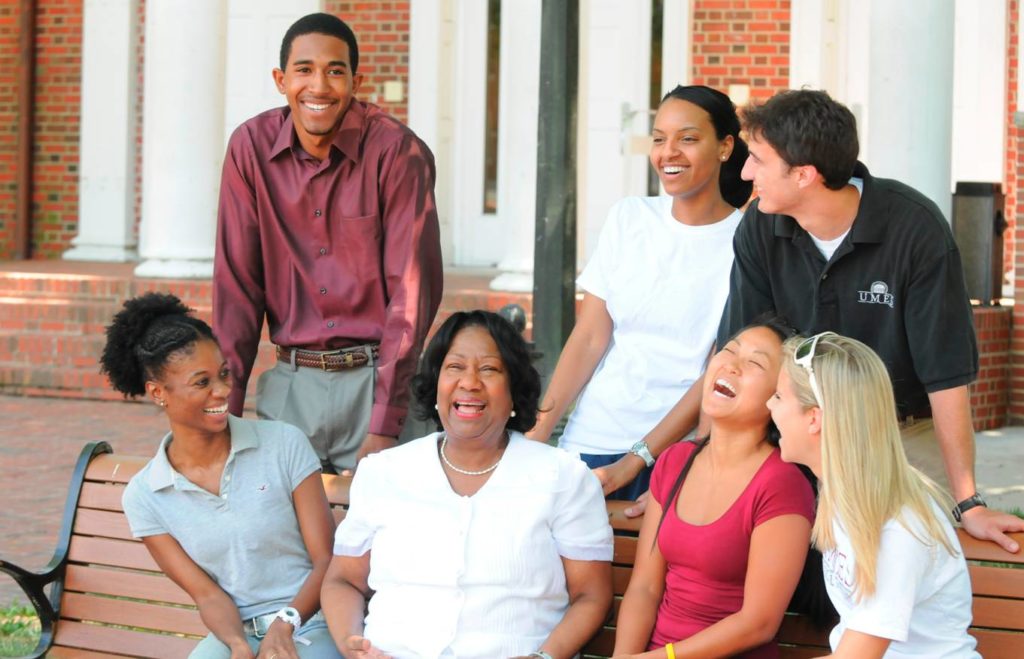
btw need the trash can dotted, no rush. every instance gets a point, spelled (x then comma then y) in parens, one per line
(978, 226)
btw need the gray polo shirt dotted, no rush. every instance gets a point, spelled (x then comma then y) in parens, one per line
(248, 538)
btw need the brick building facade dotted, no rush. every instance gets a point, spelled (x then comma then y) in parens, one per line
(732, 42)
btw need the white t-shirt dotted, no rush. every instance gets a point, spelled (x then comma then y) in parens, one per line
(477, 576)
(665, 284)
(829, 247)
(923, 596)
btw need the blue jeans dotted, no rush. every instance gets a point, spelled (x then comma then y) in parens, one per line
(628, 492)
(321, 644)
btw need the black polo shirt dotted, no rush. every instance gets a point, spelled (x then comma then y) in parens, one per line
(895, 282)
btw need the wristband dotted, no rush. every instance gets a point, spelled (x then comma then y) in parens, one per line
(291, 616)
(972, 501)
(670, 650)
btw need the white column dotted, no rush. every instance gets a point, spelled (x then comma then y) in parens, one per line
(615, 127)
(676, 44)
(813, 43)
(430, 106)
(910, 104)
(519, 94)
(106, 183)
(979, 91)
(899, 89)
(183, 138)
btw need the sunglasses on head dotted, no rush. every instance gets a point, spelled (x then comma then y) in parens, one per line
(804, 357)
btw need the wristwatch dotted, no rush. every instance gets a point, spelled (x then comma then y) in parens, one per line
(290, 615)
(972, 501)
(640, 450)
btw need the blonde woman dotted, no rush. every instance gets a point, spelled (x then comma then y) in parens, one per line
(893, 566)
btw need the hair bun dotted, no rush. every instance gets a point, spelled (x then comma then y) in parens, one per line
(120, 361)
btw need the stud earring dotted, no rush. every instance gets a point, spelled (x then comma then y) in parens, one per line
(513, 413)
(435, 406)
(162, 403)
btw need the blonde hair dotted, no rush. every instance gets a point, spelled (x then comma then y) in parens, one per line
(865, 477)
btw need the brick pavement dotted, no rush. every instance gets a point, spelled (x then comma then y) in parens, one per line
(40, 439)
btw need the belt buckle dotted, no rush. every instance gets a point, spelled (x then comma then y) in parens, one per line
(257, 630)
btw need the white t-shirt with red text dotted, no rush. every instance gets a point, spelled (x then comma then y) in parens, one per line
(923, 597)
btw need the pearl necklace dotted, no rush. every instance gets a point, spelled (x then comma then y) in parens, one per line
(467, 472)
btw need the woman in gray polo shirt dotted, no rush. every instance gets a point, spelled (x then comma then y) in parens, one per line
(232, 510)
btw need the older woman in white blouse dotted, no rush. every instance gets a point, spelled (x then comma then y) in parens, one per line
(474, 541)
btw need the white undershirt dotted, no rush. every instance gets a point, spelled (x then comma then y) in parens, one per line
(829, 247)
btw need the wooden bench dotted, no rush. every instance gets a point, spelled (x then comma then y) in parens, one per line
(107, 596)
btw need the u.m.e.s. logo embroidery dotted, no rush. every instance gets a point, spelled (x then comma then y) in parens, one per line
(879, 294)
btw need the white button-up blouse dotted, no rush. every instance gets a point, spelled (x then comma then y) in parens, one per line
(477, 576)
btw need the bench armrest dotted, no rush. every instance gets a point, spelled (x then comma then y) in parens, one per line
(33, 584)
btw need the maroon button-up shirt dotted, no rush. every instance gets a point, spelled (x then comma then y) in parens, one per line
(335, 253)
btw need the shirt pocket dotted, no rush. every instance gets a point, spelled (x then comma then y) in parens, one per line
(357, 243)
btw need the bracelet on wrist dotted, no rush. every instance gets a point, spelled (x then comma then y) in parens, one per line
(540, 654)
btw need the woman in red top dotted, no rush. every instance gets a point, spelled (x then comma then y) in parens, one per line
(732, 523)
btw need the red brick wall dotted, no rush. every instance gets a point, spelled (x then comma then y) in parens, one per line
(741, 42)
(1012, 135)
(9, 17)
(382, 30)
(1014, 214)
(57, 113)
(990, 392)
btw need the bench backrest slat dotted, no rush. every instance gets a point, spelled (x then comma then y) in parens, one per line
(130, 613)
(115, 641)
(122, 583)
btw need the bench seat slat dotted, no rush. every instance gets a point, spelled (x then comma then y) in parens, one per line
(115, 553)
(122, 583)
(102, 523)
(122, 641)
(101, 496)
(143, 615)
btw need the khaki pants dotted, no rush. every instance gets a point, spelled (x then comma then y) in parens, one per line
(331, 408)
(923, 451)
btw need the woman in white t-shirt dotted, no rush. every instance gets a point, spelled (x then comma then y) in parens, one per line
(893, 566)
(653, 295)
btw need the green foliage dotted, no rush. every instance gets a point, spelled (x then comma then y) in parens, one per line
(19, 630)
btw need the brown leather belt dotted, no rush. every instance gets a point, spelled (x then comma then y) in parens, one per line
(332, 360)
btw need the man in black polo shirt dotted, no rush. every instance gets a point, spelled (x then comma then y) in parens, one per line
(831, 248)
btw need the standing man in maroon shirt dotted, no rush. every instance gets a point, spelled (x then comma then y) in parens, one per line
(327, 226)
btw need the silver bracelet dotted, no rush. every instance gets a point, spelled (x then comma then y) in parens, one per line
(540, 654)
